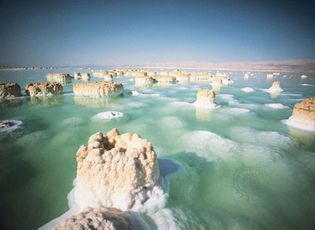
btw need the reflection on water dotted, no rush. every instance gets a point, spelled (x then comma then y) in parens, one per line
(9, 103)
(46, 100)
(203, 114)
(94, 102)
(303, 139)
(274, 95)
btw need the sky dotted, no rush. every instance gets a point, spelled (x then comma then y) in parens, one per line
(87, 32)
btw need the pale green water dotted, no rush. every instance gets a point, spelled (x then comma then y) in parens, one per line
(237, 169)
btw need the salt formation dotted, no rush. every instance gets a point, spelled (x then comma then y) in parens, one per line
(85, 76)
(303, 116)
(101, 218)
(205, 98)
(144, 81)
(43, 89)
(116, 170)
(9, 125)
(224, 78)
(165, 79)
(97, 89)
(77, 76)
(183, 78)
(275, 105)
(82, 76)
(247, 89)
(106, 75)
(216, 85)
(304, 76)
(8, 90)
(62, 78)
(108, 115)
(275, 88)
(197, 77)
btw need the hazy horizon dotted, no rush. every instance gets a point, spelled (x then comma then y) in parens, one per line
(53, 33)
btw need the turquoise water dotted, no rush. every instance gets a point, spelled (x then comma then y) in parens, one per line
(237, 167)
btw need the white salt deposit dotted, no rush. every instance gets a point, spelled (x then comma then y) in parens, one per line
(270, 90)
(304, 76)
(228, 98)
(300, 124)
(204, 104)
(108, 115)
(180, 104)
(237, 111)
(247, 89)
(275, 105)
(135, 93)
(207, 144)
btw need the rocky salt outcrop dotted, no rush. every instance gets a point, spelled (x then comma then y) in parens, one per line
(43, 89)
(216, 85)
(9, 90)
(205, 98)
(275, 88)
(101, 218)
(116, 170)
(200, 77)
(85, 76)
(303, 115)
(144, 81)
(182, 78)
(97, 89)
(82, 76)
(225, 79)
(165, 79)
(77, 76)
(62, 78)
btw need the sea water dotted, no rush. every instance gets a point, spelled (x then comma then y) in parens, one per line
(237, 166)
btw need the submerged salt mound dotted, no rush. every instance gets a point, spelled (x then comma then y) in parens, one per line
(275, 88)
(303, 116)
(205, 98)
(97, 89)
(43, 89)
(135, 93)
(8, 90)
(9, 125)
(101, 218)
(247, 89)
(304, 76)
(116, 170)
(108, 115)
(275, 105)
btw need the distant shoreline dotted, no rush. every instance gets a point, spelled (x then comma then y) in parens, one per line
(292, 66)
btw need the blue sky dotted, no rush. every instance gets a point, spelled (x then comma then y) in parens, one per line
(86, 32)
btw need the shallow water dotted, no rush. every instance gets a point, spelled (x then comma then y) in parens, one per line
(235, 167)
